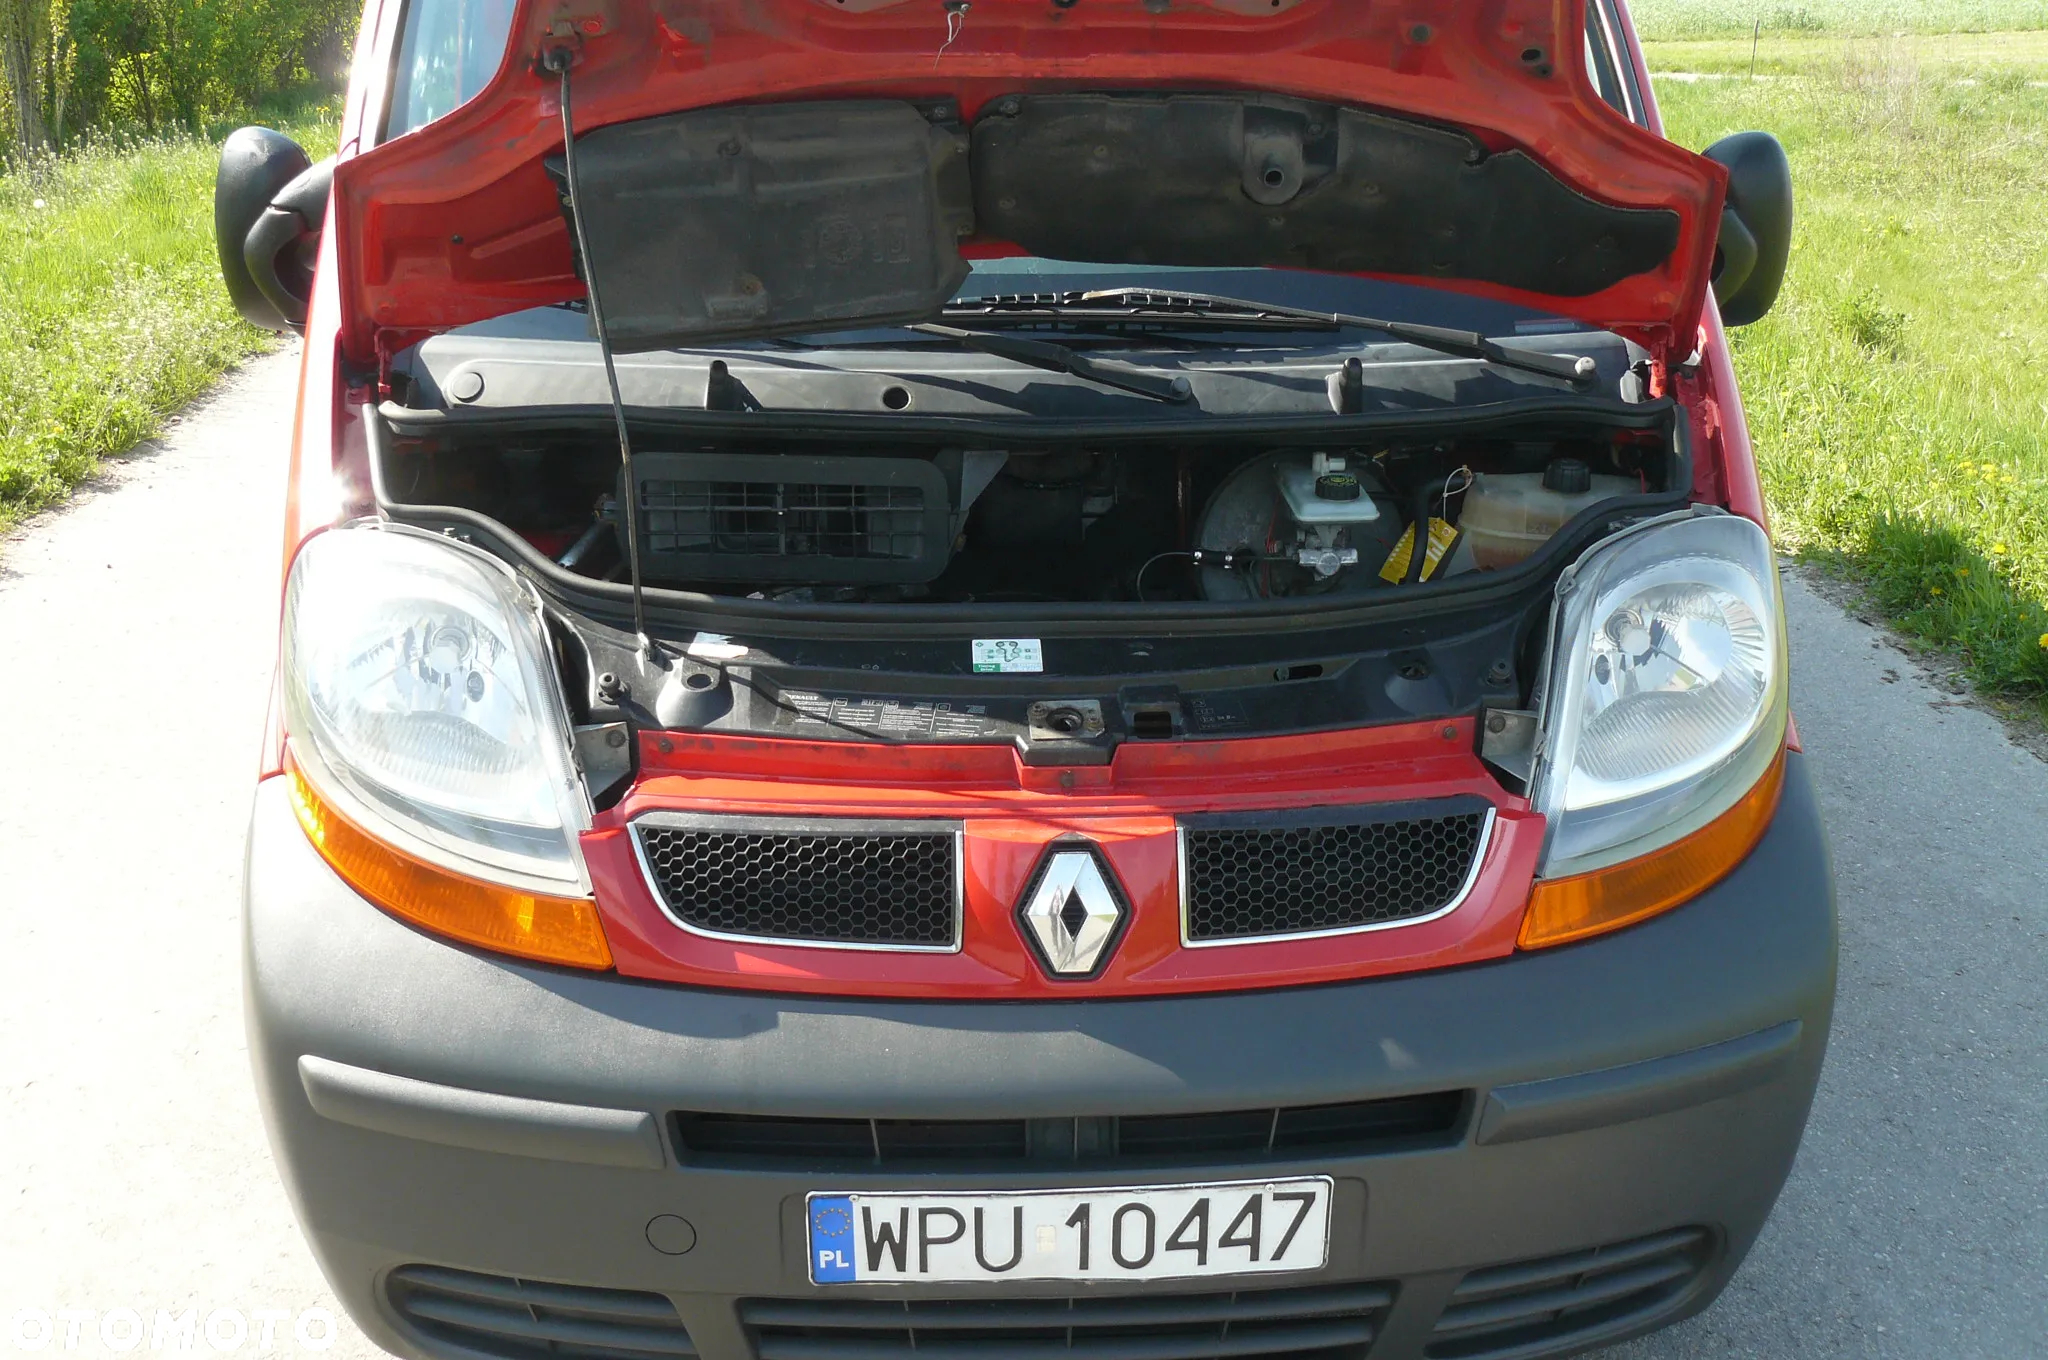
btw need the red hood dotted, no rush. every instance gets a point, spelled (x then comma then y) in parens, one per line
(460, 221)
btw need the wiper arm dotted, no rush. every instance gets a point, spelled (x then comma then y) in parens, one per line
(1059, 359)
(1579, 370)
(1124, 307)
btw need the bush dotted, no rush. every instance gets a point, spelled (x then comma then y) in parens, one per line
(157, 66)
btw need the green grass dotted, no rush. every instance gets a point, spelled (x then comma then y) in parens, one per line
(1953, 56)
(1898, 395)
(1662, 19)
(112, 312)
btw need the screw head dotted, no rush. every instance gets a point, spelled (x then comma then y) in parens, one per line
(1496, 723)
(1450, 732)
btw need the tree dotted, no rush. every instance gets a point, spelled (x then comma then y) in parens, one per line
(24, 32)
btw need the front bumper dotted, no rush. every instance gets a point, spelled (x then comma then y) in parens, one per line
(491, 1116)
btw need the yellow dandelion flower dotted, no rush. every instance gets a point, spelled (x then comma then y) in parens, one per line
(2000, 549)
(1934, 590)
(1962, 571)
(2044, 642)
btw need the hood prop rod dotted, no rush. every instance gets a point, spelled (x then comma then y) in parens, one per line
(559, 58)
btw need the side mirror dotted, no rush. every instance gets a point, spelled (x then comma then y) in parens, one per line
(1756, 225)
(269, 201)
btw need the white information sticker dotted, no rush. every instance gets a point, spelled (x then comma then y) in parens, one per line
(1004, 656)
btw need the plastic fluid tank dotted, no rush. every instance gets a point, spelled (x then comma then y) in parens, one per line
(1510, 515)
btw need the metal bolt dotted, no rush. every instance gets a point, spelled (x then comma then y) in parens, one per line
(1450, 733)
(615, 739)
(665, 746)
(610, 687)
(1496, 723)
(1415, 670)
(1499, 672)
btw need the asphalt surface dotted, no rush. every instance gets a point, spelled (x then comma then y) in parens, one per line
(136, 632)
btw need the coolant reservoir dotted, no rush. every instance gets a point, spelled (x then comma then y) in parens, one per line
(1508, 516)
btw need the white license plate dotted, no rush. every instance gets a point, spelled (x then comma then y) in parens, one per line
(1154, 1232)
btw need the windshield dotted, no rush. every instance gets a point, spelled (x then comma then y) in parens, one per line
(447, 52)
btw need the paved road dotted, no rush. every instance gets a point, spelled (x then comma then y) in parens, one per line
(135, 634)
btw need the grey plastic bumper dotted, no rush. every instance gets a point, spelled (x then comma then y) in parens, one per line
(428, 1104)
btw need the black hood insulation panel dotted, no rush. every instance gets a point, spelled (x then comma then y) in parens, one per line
(781, 218)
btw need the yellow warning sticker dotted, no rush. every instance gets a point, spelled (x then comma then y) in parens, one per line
(1441, 538)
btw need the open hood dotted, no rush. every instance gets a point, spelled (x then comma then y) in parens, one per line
(754, 166)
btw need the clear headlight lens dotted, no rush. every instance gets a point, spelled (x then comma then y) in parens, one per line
(419, 695)
(1666, 697)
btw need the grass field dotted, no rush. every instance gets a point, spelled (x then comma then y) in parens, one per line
(1899, 393)
(1661, 19)
(111, 309)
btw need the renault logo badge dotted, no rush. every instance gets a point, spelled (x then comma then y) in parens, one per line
(1072, 913)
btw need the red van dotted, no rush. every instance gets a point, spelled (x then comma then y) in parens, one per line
(1006, 678)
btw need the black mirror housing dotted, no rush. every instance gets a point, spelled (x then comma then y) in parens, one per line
(269, 201)
(1756, 226)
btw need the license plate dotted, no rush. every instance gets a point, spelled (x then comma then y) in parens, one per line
(1154, 1232)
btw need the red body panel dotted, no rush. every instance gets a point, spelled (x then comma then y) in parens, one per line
(1012, 812)
(388, 257)
(459, 221)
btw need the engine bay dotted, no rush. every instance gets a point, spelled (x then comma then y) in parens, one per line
(818, 523)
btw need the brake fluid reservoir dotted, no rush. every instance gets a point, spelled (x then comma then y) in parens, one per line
(1322, 490)
(1508, 516)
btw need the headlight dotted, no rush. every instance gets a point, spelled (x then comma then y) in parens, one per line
(421, 702)
(1664, 708)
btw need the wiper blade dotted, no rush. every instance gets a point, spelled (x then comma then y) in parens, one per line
(1578, 370)
(1126, 307)
(1060, 359)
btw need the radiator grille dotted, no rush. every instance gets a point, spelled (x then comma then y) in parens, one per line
(857, 886)
(1537, 1308)
(1329, 1322)
(527, 1320)
(1355, 1129)
(1276, 875)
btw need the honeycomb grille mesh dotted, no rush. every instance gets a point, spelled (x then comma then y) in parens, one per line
(1250, 882)
(894, 888)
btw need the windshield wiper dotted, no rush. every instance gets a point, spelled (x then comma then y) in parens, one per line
(1126, 307)
(1209, 309)
(1060, 359)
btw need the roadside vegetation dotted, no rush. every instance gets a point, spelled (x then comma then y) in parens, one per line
(1899, 393)
(111, 310)
(112, 314)
(1666, 19)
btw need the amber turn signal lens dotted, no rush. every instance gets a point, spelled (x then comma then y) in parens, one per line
(551, 929)
(1576, 908)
